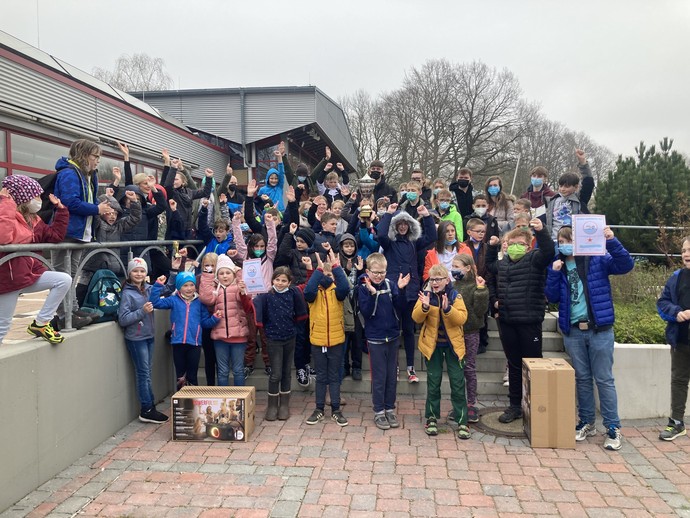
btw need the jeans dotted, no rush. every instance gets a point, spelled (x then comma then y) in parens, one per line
(281, 354)
(186, 359)
(383, 358)
(58, 283)
(141, 352)
(227, 355)
(519, 341)
(328, 361)
(680, 376)
(592, 357)
(456, 376)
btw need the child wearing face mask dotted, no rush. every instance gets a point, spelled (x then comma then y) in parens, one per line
(520, 280)
(277, 312)
(538, 191)
(480, 210)
(474, 292)
(20, 200)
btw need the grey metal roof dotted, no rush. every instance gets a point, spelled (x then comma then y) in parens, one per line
(268, 111)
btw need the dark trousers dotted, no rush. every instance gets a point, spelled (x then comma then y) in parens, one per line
(680, 376)
(281, 354)
(353, 347)
(209, 356)
(302, 345)
(408, 332)
(327, 361)
(519, 341)
(383, 358)
(186, 359)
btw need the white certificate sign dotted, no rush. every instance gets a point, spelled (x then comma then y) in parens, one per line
(588, 234)
(252, 277)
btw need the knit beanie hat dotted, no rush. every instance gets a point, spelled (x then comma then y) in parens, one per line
(307, 235)
(22, 188)
(137, 262)
(225, 262)
(183, 278)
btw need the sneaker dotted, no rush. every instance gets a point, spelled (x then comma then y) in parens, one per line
(412, 375)
(392, 419)
(481, 349)
(511, 414)
(464, 432)
(614, 439)
(472, 414)
(672, 431)
(584, 430)
(339, 418)
(302, 377)
(312, 372)
(268, 370)
(152, 416)
(315, 417)
(181, 382)
(357, 374)
(381, 422)
(431, 427)
(248, 371)
(46, 332)
(451, 416)
(506, 383)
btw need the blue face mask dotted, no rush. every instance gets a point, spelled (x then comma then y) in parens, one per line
(566, 249)
(493, 190)
(412, 196)
(444, 205)
(537, 182)
(436, 191)
(244, 227)
(449, 243)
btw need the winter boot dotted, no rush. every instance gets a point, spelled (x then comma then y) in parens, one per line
(284, 408)
(272, 408)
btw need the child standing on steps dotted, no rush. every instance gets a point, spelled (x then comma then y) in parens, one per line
(136, 317)
(188, 315)
(441, 311)
(325, 292)
(277, 312)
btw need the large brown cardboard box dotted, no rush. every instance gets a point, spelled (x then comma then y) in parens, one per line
(213, 413)
(548, 402)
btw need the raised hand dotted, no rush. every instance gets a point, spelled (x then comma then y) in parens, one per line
(251, 188)
(306, 261)
(228, 170)
(290, 194)
(208, 172)
(109, 191)
(205, 202)
(222, 198)
(278, 155)
(345, 191)
(403, 281)
(103, 207)
(480, 282)
(130, 195)
(370, 287)
(444, 301)
(268, 217)
(53, 199)
(340, 166)
(392, 208)
(326, 246)
(281, 148)
(536, 224)
(161, 279)
(124, 148)
(328, 167)
(328, 154)
(117, 174)
(166, 156)
(293, 228)
(237, 216)
(319, 262)
(359, 264)
(422, 210)
(333, 259)
(494, 240)
(173, 205)
(608, 233)
(581, 156)
(232, 252)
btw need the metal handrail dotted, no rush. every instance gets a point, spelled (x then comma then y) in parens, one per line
(29, 250)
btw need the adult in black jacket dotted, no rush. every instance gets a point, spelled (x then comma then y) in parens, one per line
(464, 191)
(521, 277)
(381, 188)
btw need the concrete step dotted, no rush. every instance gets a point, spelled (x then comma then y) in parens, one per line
(550, 341)
(495, 361)
(550, 323)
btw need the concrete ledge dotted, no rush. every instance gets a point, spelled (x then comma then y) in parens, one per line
(59, 402)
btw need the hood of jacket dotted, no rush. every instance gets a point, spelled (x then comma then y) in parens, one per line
(415, 228)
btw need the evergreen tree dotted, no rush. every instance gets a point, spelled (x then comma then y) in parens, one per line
(645, 190)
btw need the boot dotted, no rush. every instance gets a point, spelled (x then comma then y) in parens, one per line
(284, 408)
(272, 408)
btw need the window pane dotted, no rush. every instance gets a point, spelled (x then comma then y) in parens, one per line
(3, 173)
(26, 173)
(105, 170)
(36, 153)
(152, 171)
(3, 147)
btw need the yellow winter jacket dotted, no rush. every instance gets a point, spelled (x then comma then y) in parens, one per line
(326, 318)
(452, 321)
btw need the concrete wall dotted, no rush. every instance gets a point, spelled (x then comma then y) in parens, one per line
(59, 402)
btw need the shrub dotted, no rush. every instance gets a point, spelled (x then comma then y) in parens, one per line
(638, 323)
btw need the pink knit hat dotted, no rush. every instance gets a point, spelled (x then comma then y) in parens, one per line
(22, 188)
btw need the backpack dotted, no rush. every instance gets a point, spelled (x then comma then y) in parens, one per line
(47, 182)
(104, 294)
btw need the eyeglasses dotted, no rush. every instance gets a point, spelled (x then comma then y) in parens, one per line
(377, 273)
(436, 280)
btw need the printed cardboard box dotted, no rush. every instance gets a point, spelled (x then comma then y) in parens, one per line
(213, 413)
(548, 402)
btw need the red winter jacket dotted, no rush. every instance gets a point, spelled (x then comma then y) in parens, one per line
(23, 271)
(234, 306)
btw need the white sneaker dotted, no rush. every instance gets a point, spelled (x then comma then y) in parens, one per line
(614, 439)
(584, 430)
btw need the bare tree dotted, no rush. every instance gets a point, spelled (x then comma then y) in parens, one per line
(138, 72)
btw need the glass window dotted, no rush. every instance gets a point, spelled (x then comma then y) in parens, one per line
(3, 147)
(3, 173)
(152, 171)
(105, 170)
(36, 153)
(26, 173)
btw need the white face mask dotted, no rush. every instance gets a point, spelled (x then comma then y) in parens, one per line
(480, 211)
(34, 206)
(281, 291)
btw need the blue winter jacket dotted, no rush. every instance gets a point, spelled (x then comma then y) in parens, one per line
(71, 186)
(187, 317)
(275, 193)
(382, 311)
(594, 272)
(668, 308)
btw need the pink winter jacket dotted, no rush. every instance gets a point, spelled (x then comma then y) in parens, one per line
(233, 306)
(271, 249)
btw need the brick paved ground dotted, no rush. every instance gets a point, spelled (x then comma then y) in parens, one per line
(292, 469)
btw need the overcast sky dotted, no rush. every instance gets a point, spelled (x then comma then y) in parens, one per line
(615, 69)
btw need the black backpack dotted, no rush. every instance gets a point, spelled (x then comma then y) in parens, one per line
(104, 294)
(47, 182)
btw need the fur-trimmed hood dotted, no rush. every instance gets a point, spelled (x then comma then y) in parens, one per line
(415, 228)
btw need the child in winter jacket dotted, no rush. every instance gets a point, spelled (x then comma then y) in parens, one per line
(188, 315)
(225, 293)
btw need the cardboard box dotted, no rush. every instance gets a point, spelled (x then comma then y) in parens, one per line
(213, 413)
(548, 402)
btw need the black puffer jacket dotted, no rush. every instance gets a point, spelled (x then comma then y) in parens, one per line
(521, 283)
